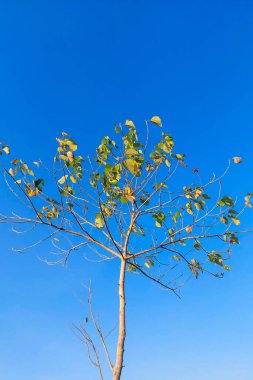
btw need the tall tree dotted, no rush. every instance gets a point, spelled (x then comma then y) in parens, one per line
(133, 201)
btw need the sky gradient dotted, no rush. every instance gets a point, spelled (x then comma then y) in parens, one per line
(82, 67)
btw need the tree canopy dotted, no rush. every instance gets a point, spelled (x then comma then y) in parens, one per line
(134, 200)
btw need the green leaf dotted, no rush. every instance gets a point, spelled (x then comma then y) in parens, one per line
(51, 200)
(233, 212)
(131, 268)
(205, 196)
(216, 258)
(63, 192)
(226, 201)
(144, 198)
(197, 246)
(39, 182)
(69, 190)
(232, 238)
(158, 186)
(160, 218)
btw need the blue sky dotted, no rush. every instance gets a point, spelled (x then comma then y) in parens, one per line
(82, 67)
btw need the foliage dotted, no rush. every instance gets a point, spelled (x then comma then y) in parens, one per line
(132, 184)
(127, 202)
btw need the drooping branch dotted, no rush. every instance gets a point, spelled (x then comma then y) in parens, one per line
(153, 278)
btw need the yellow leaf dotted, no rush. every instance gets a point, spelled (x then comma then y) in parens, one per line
(248, 204)
(188, 229)
(130, 123)
(30, 192)
(175, 257)
(62, 157)
(156, 120)
(237, 160)
(36, 163)
(73, 179)
(133, 167)
(129, 194)
(63, 179)
(71, 144)
(6, 149)
(130, 198)
(70, 156)
(197, 193)
(18, 181)
(11, 172)
(168, 163)
(149, 167)
(59, 141)
(236, 221)
(99, 221)
(29, 171)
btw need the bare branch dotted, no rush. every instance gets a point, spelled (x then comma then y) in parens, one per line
(154, 279)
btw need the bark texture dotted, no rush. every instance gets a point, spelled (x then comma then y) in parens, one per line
(117, 369)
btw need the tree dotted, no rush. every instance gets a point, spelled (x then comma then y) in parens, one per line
(133, 202)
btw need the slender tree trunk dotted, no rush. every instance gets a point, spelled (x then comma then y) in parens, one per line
(122, 324)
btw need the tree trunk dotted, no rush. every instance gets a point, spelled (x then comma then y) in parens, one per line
(122, 324)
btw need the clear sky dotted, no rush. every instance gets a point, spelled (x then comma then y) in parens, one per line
(82, 66)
